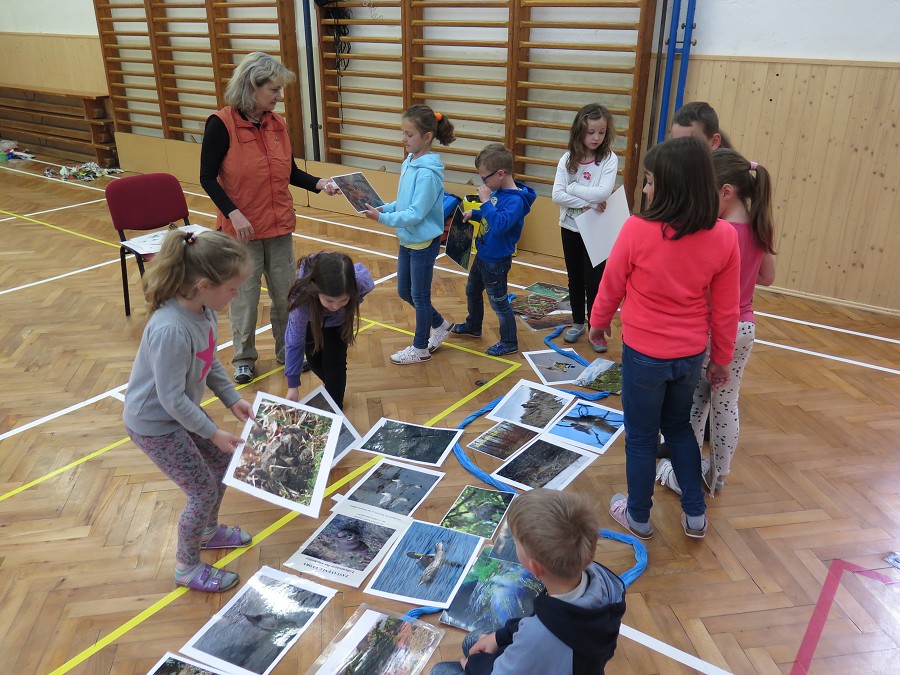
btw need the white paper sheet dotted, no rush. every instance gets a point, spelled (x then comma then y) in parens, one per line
(600, 230)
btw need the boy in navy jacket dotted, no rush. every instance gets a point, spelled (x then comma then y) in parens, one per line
(575, 625)
(505, 203)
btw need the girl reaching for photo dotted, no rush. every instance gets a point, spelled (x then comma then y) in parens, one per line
(323, 320)
(191, 278)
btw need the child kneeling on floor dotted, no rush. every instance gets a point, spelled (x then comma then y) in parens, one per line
(575, 624)
(505, 203)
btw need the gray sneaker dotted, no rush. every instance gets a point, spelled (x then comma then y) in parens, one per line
(243, 374)
(574, 332)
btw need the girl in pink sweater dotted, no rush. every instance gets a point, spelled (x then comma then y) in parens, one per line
(675, 271)
(745, 198)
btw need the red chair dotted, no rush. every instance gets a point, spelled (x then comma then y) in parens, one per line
(145, 202)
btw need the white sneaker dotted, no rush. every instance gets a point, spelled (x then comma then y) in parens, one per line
(665, 475)
(438, 335)
(409, 355)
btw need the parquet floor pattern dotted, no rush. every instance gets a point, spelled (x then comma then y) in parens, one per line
(87, 550)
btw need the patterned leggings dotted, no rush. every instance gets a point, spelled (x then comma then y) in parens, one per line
(726, 425)
(197, 466)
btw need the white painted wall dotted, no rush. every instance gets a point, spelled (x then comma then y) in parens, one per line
(59, 17)
(817, 29)
(860, 30)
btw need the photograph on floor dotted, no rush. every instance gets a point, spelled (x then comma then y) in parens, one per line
(602, 375)
(493, 592)
(477, 511)
(555, 368)
(394, 486)
(505, 546)
(287, 453)
(173, 664)
(358, 191)
(375, 642)
(532, 405)
(412, 442)
(502, 440)
(349, 544)
(589, 426)
(553, 291)
(320, 399)
(534, 305)
(256, 628)
(426, 567)
(549, 321)
(544, 463)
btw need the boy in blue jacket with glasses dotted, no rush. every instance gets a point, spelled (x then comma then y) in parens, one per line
(505, 203)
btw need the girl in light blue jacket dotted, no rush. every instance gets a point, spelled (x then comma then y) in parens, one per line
(418, 217)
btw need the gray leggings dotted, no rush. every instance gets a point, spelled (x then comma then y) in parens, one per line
(197, 466)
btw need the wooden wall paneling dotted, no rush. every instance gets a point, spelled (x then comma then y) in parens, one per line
(165, 72)
(287, 41)
(364, 90)
(804, 265)
(28, 60)
(824, 264)
(865, 105)
(876, 222)
(134, 94)
(826, 132)
(640, 86)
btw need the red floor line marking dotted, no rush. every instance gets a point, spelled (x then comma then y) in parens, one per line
(823, 606)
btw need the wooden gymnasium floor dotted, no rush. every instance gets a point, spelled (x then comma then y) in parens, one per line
(87, 524)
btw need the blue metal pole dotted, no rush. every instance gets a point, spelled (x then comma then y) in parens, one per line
(667, 79)
(685, 53)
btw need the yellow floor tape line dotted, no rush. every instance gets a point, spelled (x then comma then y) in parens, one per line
(61, 229)
(167, 600)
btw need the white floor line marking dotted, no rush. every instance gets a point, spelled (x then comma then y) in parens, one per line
(352, 227)
(118, 395)
(871, 336)
(59, 276)
(884, 369)
(383, 279)
(352, 248)
(672, 652)
(58, 208)
(390, 234)
(53, 416)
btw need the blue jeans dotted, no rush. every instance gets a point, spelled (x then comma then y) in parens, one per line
(656, 396)
(453, 667)
(491, 277)
(415, 269)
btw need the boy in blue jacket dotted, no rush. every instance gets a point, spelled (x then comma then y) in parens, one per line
(505, 203)
(575, 625)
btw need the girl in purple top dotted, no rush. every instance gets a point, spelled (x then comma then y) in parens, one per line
(323, 320)
(745, 200)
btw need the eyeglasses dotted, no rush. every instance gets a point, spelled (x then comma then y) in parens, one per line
(484, 178)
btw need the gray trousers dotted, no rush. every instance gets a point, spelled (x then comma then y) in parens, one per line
(273, 258)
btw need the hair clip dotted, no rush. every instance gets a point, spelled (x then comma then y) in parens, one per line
(438, 116)
(753, 166)
(189, 238)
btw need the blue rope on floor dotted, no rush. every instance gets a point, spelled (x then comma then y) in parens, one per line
(640, 551)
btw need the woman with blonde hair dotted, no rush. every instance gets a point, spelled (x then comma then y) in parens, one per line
(246, 166)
